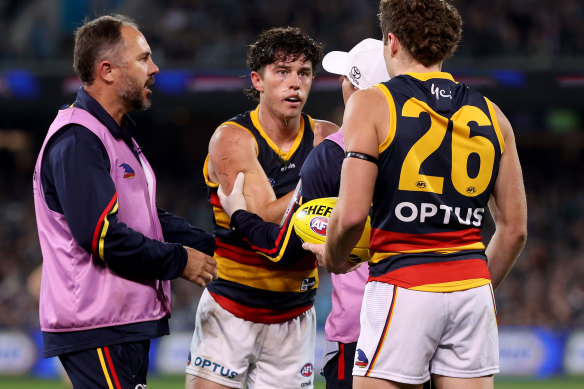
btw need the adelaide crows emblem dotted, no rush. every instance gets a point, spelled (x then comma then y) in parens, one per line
(362, 360)
(128, 171)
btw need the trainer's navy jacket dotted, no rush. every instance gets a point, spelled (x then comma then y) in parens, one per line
(79, 190)
(437, 170)
(249, 285)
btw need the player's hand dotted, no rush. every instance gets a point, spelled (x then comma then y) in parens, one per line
(235, 200)
(200, 269)
(319, 251)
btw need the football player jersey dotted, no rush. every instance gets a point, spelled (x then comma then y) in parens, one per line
(437, 169)
(249, 285)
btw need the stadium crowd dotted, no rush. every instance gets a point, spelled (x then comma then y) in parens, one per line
(546, 287)
(213, 34)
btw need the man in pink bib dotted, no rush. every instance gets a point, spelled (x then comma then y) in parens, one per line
(108, 252)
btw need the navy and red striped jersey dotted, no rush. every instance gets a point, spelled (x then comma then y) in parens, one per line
(250, 285)
(437, 169)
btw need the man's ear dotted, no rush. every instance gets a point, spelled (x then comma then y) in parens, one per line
(257, 81)
(393, 43)
(104, 70)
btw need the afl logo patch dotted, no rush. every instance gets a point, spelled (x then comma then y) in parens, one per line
(306, 370)
(318, 225)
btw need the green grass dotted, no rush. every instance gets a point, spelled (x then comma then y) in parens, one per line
(177, 382)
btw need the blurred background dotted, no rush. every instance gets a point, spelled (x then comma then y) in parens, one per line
(525, 55)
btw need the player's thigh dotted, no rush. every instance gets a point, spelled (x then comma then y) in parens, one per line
(442, 382)
(223, 346)
(469, 347)
(286, 359)
(118, 366)
(194, 382)
(377, 383)
(400, 330)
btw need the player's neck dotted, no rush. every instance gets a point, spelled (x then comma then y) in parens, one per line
(408, 65)
(282, 131)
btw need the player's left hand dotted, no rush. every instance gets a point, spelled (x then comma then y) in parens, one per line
(318, 250)
(235, 200)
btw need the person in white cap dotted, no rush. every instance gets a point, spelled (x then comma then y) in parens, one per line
(363, 66)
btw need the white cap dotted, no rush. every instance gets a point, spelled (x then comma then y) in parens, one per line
(363, 64)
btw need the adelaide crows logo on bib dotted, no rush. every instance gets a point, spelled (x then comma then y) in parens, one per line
(128, 171)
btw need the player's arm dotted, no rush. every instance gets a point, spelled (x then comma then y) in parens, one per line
(508, 207)
(232, 150)
(366, 115)
(320, 178)
(176, 229)
(278, 243)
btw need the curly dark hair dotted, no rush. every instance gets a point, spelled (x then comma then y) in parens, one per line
(281, 44)
(428, 29)
(96, 40)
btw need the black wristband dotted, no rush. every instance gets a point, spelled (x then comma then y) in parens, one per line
(363, 156)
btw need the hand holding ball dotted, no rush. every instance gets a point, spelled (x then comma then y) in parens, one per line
(310, 224)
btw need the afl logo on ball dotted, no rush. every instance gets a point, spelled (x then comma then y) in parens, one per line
(318, 225)
(306, 370)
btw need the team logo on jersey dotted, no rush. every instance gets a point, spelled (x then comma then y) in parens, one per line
(128, 171)
(272, 181)
(308, 283)
(362, 360)
(307, 370)
(318, 224)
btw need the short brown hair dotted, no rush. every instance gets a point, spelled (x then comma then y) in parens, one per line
(428, 29)
(96, 40)
(281, 44)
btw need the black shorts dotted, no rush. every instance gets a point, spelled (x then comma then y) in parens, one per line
(119, 366)
(339, 375)
(338, 372)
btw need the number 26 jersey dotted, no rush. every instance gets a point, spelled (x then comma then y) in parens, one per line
(437, 169)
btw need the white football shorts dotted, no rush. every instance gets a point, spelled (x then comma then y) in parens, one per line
(407, 334)
(234, 352)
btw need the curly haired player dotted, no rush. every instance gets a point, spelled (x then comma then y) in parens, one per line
(256, 324)
(430, 154)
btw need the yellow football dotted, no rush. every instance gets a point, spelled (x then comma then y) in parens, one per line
(310, 222)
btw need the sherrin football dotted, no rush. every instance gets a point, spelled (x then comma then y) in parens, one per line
(310, 222)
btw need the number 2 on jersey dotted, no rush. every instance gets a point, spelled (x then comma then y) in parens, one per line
(463, 145)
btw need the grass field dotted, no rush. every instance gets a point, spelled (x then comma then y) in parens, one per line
(177, 382)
